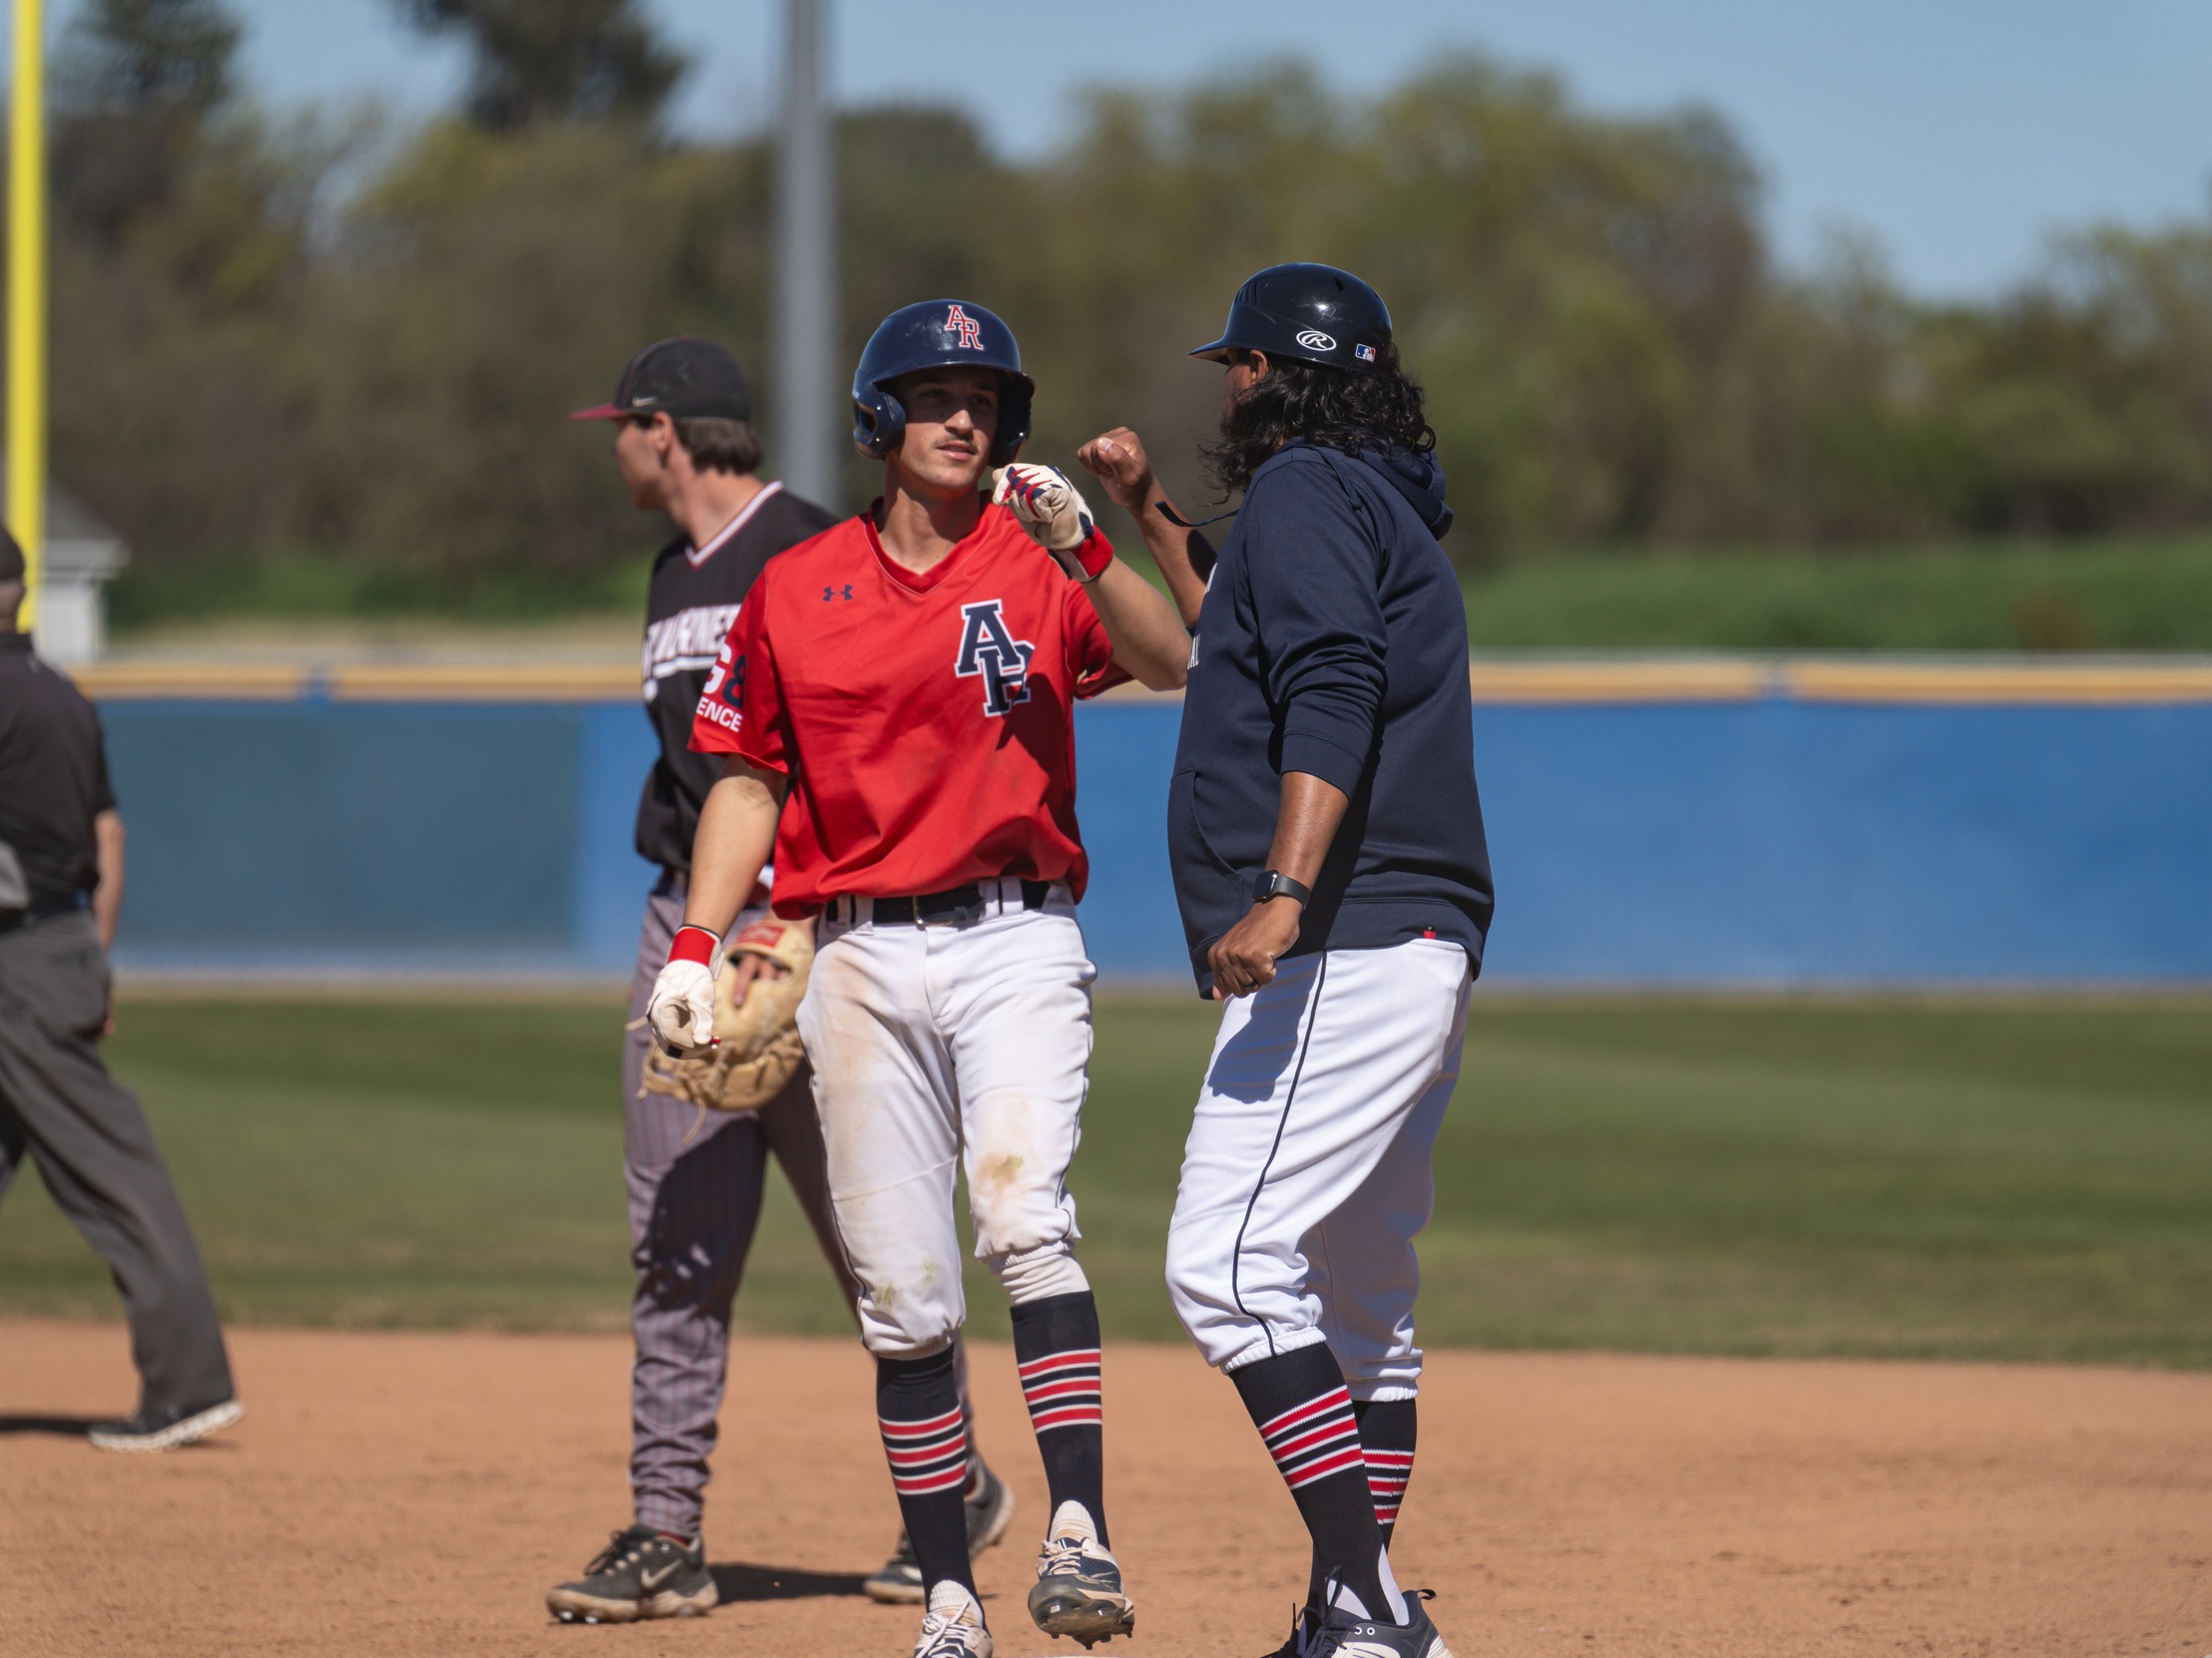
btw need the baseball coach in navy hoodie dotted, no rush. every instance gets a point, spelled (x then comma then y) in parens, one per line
(1329, 862)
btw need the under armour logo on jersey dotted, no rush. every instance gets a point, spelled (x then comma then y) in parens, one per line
(987, 648)
(830, 592)
(969, 330)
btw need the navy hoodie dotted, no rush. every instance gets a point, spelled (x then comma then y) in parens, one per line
(1333, 641)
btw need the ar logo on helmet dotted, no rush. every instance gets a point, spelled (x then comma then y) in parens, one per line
(958, 321)
(1313, 339)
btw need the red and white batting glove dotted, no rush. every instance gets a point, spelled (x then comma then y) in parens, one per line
(1057, 517)
(681, 1009)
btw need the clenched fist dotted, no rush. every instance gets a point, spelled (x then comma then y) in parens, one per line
(1118, 460)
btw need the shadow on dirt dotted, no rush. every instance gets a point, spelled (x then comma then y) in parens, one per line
(62, 1428)
(742, 1581)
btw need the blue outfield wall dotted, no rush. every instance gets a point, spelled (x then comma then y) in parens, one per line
(1763, 841)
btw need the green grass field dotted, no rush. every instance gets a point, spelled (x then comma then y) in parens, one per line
(2113, 593)
(1987, 1182)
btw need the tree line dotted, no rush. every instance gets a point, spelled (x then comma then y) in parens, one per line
(309, 336)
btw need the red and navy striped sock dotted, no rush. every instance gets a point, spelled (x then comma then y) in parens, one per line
(1056, 1349)
(1304, 1414)
(925, 1439)
(1387, 1433)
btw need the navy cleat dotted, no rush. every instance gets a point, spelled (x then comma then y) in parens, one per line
(1077, 1592)
(1342, 1635)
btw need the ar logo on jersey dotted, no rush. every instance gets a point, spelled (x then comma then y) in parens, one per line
(969, 330)
(987, 648)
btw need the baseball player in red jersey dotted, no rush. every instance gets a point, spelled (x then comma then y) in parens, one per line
(895, 706)
(685, 446)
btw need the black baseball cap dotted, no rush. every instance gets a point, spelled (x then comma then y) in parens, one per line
(12, 567)
(680, 376)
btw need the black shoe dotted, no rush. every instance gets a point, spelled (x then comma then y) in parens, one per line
(898, 1582)
(1341, 1635)
(1303, 1623)
(638, 1574)
(166, 1428)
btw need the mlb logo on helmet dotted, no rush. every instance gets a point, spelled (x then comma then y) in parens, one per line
(967, 331)
(1365, 353)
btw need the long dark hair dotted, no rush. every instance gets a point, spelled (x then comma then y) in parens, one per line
(1331, 406)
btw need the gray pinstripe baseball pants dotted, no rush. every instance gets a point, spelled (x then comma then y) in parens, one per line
(694, 1199)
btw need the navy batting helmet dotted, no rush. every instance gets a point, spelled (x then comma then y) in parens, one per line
(938, 333)
(1313, 312)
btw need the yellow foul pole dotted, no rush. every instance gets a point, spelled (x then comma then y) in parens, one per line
(27, 295)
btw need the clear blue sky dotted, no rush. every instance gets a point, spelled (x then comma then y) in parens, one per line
(1956, 132)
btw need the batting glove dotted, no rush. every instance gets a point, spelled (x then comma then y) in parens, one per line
(681, 1009)
(1055, 516)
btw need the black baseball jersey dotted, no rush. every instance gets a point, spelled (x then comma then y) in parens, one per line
(53, 780)
(690, 608)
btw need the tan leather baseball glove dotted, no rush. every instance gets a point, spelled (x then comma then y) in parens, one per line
(756, 1048)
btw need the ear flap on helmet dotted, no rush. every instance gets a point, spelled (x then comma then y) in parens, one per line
(1017, 396)
(878, 422)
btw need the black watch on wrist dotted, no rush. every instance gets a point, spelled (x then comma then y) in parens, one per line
(1273, 884)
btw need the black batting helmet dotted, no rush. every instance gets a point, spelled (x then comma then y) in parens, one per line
(938, 333)
(1313, 312)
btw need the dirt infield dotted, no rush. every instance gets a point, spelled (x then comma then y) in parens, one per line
(416, 1494)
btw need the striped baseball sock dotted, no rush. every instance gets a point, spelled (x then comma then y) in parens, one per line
(1386, 1444)
(1056, 1350)
(1299, 1402)
(925, 1439)
(1387, 1437)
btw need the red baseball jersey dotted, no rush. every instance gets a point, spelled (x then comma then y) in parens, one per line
(926, 721)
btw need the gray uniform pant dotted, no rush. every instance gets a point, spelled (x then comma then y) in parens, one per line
(94, 1150)
(695, 1182)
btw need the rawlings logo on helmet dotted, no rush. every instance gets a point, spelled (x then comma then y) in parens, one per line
(966, 330)
(1313, 339)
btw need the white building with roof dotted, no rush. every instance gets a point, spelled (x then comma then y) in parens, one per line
(83, 554)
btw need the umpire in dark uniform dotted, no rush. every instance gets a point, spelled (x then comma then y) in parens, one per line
(61, 886)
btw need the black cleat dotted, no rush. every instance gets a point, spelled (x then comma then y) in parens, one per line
(638, 1574)
(898, 1582)
(1341, 1635)
(166, 1428)
(1303, 1623)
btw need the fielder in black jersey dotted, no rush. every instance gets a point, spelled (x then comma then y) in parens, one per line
(684, 445)
(690, 608)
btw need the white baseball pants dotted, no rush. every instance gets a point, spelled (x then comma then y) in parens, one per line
(937, 1043)
(1306, 1176)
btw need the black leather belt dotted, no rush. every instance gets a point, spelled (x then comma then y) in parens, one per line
(954, 906)
(11, 920)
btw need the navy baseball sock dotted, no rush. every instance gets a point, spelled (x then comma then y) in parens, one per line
(1299, 1402)
(925, 1437)
(1056, 1349)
